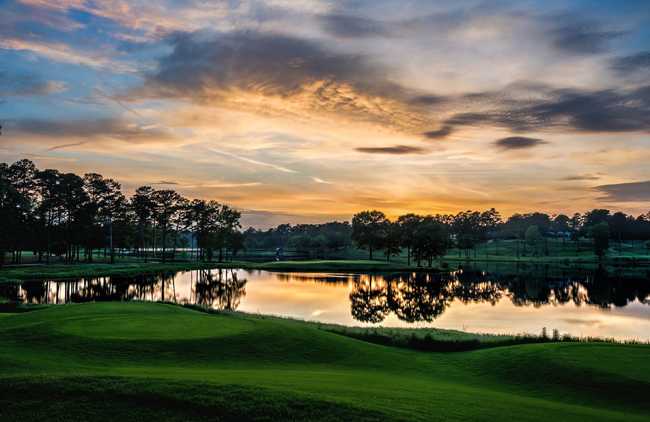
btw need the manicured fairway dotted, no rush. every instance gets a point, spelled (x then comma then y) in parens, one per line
(146, 361)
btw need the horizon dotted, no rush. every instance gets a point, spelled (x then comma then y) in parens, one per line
(310, 112)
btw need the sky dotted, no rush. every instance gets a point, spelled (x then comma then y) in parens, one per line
(309, 111)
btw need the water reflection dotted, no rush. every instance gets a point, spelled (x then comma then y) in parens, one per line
(222, 289)
(219, 289)
(451, 300)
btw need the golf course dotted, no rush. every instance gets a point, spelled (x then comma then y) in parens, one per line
(134, 361)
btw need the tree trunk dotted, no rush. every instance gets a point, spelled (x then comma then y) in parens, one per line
(371, 252)
(67, 256)
(110, 235)
(49, 238)
(143, 250)
(153, 240)
(175, 239)
(164, 241)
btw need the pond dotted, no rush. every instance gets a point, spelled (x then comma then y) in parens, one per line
(506, 299)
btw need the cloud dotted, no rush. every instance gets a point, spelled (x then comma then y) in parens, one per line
(279, 76)
(153, 20)
(15, 85)
(54, 148)
(440, 133)
(525, 107)
(624, 192)
(226, 185)
(518, 142)
(319, 180)
(100, 128)
(394, 150)
(41, 157)
(574, 177)
(634, 63)
(344, 26)
(585, 38)
(428, 100)
(60, 52)
(249, 160)
(592, 321)
(165, 182)
(607, 156)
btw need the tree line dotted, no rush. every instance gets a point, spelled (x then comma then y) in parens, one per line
(55, 214)
(430, 237)
(329, 236)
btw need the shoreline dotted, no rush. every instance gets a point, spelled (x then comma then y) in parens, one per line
(17, 274)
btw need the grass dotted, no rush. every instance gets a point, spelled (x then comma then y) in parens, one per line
(146, 361)
(340, 266)
(16, 275)
(568, 254)
(423, 338)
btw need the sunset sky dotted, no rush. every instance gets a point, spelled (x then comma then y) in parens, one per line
(309, 111)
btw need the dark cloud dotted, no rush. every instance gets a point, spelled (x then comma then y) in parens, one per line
(207, 71)
(574, 177)
(537, 107)
(440, 133)
(394, 150)
(428, 100)
(633, 63)
(518, 142)
(66, 146)
(268, 64)
(13, 84)
(593, 321)
(343, 26)
(165, 182)
(585, 38)
(100, 128)
(625, 192)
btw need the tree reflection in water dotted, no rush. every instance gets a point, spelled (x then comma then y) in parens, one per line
(424, 297)
(221, 289)
(412, 297)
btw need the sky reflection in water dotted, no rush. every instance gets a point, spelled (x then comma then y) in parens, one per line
(524, 299)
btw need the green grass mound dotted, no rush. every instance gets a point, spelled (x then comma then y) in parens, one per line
(148, 361)
(166, 327)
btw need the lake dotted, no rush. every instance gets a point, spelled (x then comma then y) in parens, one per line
(507, 299)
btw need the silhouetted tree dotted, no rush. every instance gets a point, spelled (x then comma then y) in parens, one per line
(600, 235)
(369, 230)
